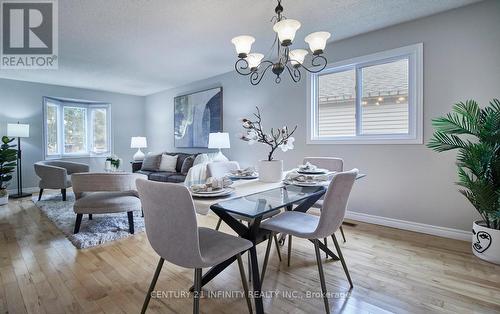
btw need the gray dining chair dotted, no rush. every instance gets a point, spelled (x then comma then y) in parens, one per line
(173, 232)
(219, 169)
(312, 227)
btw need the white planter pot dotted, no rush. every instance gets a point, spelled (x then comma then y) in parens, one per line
(486, 242)
(271, 171)
(4, 199)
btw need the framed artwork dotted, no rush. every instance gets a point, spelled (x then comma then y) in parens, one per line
(196, 115)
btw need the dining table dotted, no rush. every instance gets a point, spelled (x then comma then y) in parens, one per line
(252, 200)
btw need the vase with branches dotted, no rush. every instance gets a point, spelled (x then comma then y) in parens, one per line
(475, 133)
(270, 170)
(276, 138)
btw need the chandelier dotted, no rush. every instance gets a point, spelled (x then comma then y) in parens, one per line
(254, 64)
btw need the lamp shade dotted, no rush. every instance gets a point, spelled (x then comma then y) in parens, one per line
(297, 56)
(286, 30)
(254, 59)
(218, 140)
(18, 130)
(243, 45)
(317, 41)
(138, 142)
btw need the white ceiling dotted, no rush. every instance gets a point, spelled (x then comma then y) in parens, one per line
(143, 46)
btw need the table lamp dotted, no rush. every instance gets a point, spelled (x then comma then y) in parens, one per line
(19, 130)
(138, 142)
(219, 140)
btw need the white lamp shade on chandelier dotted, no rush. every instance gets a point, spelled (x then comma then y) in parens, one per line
(138, 142)
(317, 41)
(254, 59)
(243, 44)
(297, 56)
(18, 130)
(218, 140)
(286, 30)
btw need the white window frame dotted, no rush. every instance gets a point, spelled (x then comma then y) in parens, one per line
(414, 54)
(61, 104)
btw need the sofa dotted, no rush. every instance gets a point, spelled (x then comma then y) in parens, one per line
(151, 163)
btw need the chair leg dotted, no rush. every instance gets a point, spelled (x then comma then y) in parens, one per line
(197, 291)
(218, 224)
(276, 241)
(342, 232)
(325, 241)
(63, 192)
(249, 261)
(142, 212)
(78, 223)
(130, 222)
(152, 285)
(40, 194)
(244, 283)
(266, 258)
(289, 249)
(90, 216)
(342, 260)
(321, 275)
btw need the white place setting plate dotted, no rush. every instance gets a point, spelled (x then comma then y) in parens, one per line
(234, 177)
(307, 183)
(217, 193)
(317, 171)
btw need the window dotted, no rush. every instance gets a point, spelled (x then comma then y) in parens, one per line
(369, 100)
(74, 129)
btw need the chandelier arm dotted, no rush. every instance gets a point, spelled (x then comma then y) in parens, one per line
(238, 67)
(257, 76)
(321, 63)
(295, 75)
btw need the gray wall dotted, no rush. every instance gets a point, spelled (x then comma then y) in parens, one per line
(22, 101)
(407, 182)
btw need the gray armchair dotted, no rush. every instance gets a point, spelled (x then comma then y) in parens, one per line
(56, 174)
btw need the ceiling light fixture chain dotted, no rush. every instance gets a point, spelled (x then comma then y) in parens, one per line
(254, 65)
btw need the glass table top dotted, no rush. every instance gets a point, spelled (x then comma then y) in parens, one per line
(258, 204)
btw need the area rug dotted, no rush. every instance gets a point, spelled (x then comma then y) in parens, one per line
(101, 229)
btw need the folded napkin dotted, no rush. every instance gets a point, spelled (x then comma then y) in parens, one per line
(247, 172)
(308, 167)
(212, 184)
(295, 176)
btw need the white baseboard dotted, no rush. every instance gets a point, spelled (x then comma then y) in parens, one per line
(411, 226)
(25, 190)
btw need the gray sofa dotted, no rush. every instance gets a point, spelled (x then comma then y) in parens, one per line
(150, 167)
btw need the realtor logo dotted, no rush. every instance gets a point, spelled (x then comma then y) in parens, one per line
(29, 34)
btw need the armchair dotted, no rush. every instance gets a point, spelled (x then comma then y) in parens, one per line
(56, 174)
(105, 193)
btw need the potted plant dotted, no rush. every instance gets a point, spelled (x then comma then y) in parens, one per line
(8, 160)
(270, 170)
(113, 162)
(475, 133)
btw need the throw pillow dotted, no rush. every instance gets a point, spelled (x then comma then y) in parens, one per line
(151, 162)
(187, 164)
(168, 163)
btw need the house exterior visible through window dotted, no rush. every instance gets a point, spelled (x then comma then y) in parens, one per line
(76, 128)
(372, 99)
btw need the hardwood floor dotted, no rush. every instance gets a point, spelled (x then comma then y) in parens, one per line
(393, 271)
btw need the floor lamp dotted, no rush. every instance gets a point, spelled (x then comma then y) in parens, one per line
(19, 130)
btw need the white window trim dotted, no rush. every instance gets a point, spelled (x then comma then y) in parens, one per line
(415, 90)
(60, 130)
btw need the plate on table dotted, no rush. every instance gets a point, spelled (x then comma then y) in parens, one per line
(306, 183)
(217, 193)
(317, 171)
(232, 177)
